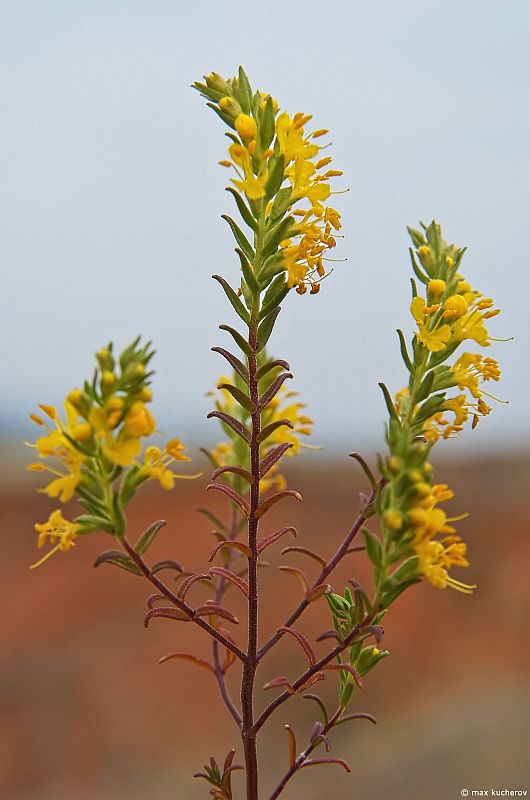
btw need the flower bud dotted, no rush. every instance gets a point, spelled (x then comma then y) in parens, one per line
(455, 306)
(246, 127)
(436, 287)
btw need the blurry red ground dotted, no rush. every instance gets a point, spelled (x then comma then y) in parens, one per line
(87, 714)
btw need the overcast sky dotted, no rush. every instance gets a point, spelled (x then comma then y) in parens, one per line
(111, 194)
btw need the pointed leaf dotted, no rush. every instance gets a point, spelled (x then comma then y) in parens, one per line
(168, 612)
(248, 272)
(188, 582)
(273, 389)
(322, 561)
(262, 371)
(243, 473)
(279, 682)
(243, 209)
(347, 668)
(238, 339)
(275, 498)
(199, 662)
(148, 536)
(212, 609)
(291, 740)
(266, 327)
(273, 537)
(234, 362)
(118, 559)
(232, 495)
(230, 576)
(239, 396)
(320, 704)
(299, 574)
(233, 423)
(276, 177)
(167, 563)
(318, 591)
(236, 303)
(272, 457)
(315, 762)
(269, 429)
(240, 238)
(302, 641)
(239, 546)
(358, 715)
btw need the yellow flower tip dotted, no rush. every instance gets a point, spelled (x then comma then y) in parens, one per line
(490, 314)
(323, 162)
(82, 432)
(176, 450)
(425, 254)
(246, 127)
(418, 517)
(108, 379)
(436, 288)
(230, 106)
(395, 464)
(74, 397)
(320, 132)
(56, 528)
(50, 411)
(251, 147)
(136, 371)
(393, 518)
(114, 403)
(38, 420)
(422, 489)
(225, 163)
(146, 394)
(417, 309)
(455, 306)
(139, 421)
(35, 466)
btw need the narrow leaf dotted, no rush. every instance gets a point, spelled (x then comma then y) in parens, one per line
(118, 559)
(188, 582)
(272, 457)
(243, 473)
(271, 365)
(240, 238)
(389, 402)
(239, 546)
(404, 352)
(276, 177)
(374, 547)
(269, 429)
(273, 389)
(365, 468)
(266, 327)
(358, 715)
(230, 576)
(315, 762)
(291, 742)
(299, 574)
(347, 668)
(234, 362)
(232, 495)
(236, 303)
(239, 396)
(238, 339)
(148, 537)
(279, 682)
(320, 704)
(211, 609)
(199, 662)
(275, 498)
(303, 642)
(243, 208)
(233, 423)
(273, 537)
(216, 521)
(322, 561)
(166, 564)
(168, 612)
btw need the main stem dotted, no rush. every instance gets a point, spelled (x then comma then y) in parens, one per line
(249, 670)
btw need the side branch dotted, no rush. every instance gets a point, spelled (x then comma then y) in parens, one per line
(327, 570)
(180, 604)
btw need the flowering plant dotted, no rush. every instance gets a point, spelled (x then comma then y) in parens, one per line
(281, 185)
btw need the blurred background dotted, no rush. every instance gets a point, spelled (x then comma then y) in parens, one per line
(110, 202)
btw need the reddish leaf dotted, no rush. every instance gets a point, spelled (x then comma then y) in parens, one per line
(199, 662)
(151, 600)
(291, 740)
(347, 668)
(244, 473)
(307, 552)
(272, 457)
(314, 762)
(273, 389)
(275, 498)
(273, 537)
(168, 612)
(230, 657)
(302, 641)
(298, 573)
(235, 579)
(318, 676)
(279, 682)
(211, 609)
(268, 429)
(239, 546)
(318, 591)
(232, 495)
(188, 582)
(233, 423)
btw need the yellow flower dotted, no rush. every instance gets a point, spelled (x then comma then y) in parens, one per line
(139, 421)
(156, 463)
(436, 339)
(246, 127)
(56, 529)
(454, 307)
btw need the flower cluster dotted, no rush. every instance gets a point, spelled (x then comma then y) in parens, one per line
(450, 312)
(99, 441)
(278, 166)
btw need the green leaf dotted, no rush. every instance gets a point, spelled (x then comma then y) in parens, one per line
(93, 522)
(236, 303)
(282, 230)
(389, 403)
(118, 559)
(240, 238)
(239, 396)
(266, 327)
(148, 537)
(404, 352)
(393, 594)
(244, 91)
(227, 119)
(267, 125)
(417, 271)
(276, 177)
(248, 272)
(425, 387)
(430, 407)
(281, 203)
(243, 209)
(238, 339)
(373, 547)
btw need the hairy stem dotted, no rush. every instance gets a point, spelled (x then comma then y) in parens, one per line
(249, 670)
(219, 674)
